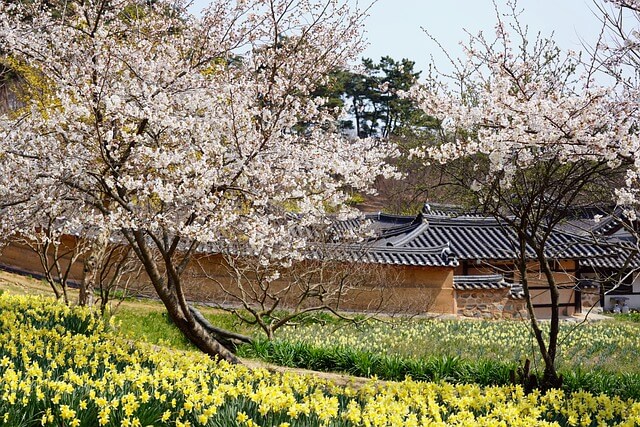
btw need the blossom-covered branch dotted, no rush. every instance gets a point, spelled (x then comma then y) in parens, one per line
(174, 129)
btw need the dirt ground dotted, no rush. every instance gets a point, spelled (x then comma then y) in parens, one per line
(22, 285)
(338, 379)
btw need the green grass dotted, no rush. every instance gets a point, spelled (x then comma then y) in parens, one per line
(610, 346)
(387, 367)
(633, 317)
(452, 369)
(150, 326)
(148, 321)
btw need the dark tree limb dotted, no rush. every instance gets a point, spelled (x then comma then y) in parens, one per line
(230, 340)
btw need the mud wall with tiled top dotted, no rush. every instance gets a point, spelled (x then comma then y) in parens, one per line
(377, 288)
(409, 289)
(489, 304)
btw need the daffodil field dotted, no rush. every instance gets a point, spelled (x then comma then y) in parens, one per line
(64, 367)
(600, 357)
(599, 345)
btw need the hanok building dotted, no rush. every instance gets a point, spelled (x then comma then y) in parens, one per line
(450, 262)
(617, 275)
(478, 253)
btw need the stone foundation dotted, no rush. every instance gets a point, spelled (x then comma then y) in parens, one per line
(489, 304)
(590, 297)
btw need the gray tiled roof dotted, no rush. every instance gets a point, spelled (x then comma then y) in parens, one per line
(484, 281)
(589, 226)
(623, 258)
(447, 210)
(418, 240)
(487, 281)
(469, 238)
(517, 292)
(380, 223)
(482, 238)
(570, 246)
(439, 256)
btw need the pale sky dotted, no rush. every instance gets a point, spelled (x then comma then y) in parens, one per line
(394, 26)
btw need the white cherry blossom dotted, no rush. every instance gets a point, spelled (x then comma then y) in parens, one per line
(175, 129)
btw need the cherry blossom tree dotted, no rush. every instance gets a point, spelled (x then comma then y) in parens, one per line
(178, 132)
(529, 133)
(617, 53)
(57, 248)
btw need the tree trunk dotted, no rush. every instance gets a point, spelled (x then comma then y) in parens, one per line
(195, 332)
(90, 269)
(356, 113)
(168, 286)
(550, 378)
(228, 339)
